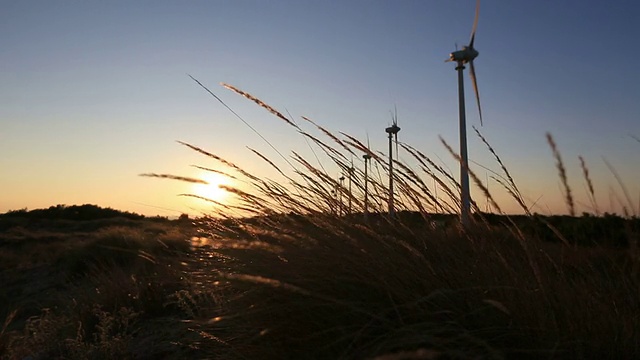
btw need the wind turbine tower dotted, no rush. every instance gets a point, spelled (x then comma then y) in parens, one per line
(393, 132)
(351, 170)
(462, 57)
(341, 188)
(366, 158)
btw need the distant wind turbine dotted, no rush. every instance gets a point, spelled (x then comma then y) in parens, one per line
(341, 188)
(393, 132)
(367, 159)
(351, 169)
(462, 57)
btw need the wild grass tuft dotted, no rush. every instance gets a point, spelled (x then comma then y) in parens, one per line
(563, 175)
(303, 277)
(292, 268)
(591, 190)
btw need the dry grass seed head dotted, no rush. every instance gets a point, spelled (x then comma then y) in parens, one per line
(563, 174)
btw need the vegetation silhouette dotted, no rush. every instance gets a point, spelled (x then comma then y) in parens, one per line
(74, 212)
(290, 272)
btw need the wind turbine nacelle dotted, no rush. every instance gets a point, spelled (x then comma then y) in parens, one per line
(465, 55)
(394, 129)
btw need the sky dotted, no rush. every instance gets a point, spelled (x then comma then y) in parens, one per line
(92, 94)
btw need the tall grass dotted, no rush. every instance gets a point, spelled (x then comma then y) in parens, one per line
(105, 293)
(301, 278)
(286, 271)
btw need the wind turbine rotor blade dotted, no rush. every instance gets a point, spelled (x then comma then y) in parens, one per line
(394, 115)
(472, 72)
(475, 25)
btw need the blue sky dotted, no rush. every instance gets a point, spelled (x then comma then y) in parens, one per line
(94, 93)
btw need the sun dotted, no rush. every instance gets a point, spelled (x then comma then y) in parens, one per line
(212, 189)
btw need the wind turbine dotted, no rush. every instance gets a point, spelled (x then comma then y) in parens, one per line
(486, 174)
(393, 132)
(366, 158)
(341, 188)
(351, 170)
(462, 57)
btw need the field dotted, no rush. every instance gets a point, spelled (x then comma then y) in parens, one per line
(303, 275)
(292, 286)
